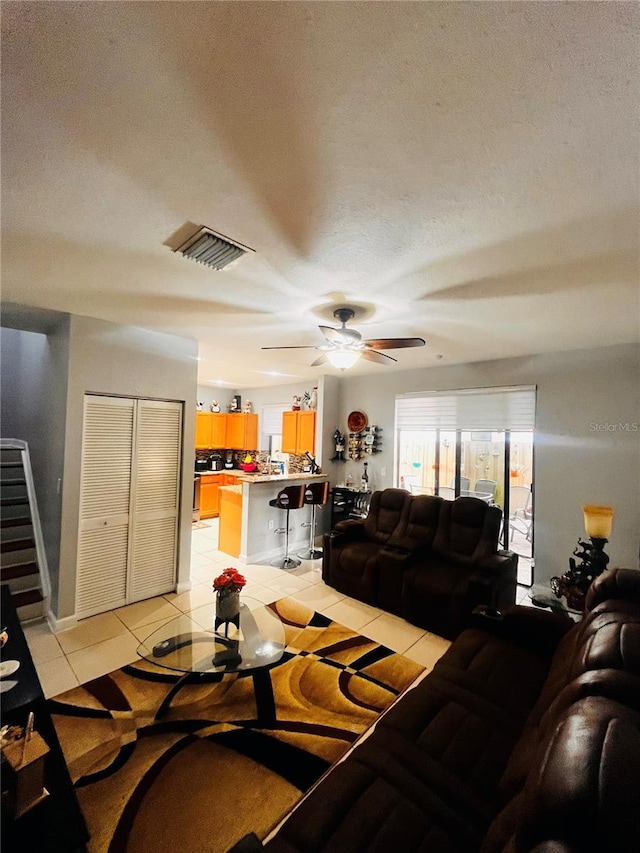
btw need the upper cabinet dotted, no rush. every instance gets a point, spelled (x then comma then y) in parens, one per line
(299, 432)
(242, 432)
(203, 430)
(217, 430)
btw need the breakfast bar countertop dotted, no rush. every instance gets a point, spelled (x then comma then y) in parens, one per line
(276, 478)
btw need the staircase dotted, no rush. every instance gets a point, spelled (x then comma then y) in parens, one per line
(23, 562)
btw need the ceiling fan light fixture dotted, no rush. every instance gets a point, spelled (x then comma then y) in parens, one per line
(343, 358)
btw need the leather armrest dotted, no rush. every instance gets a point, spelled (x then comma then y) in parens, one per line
(502, 563)
(352, 528)
(395, 560)
(248, 844)
(539, 630)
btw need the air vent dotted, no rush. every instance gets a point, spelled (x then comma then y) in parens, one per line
(211, 249)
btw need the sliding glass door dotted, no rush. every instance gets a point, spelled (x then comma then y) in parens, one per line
(477, 444)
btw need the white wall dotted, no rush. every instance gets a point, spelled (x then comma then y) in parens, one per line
(574, 463)
(127, 361)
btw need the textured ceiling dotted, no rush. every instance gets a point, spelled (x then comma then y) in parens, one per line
(465, 172)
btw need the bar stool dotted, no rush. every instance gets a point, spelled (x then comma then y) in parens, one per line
(291, 497)
(315, 494)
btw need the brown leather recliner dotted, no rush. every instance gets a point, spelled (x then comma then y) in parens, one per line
(409, 544)
(351, 551)
(428, 560)
(462, 569)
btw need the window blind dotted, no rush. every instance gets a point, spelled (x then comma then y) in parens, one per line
(511, 408)
(271, 422)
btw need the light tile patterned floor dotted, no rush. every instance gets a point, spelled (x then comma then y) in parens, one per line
(102, 643)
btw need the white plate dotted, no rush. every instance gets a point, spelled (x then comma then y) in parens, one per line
(8, 667)
(7, 685)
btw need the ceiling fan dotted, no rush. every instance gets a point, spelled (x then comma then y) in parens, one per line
(344, 346)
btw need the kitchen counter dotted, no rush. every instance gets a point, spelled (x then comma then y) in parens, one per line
(248, 522)
(256, 477)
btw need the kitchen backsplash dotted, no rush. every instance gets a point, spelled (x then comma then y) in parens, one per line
(297, 463)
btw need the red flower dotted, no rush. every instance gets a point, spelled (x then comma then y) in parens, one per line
(229, 581)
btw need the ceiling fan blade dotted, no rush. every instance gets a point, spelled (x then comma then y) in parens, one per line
(394, 343)
(304, 346)
(320, 360)
(379, 357)
(340, 337)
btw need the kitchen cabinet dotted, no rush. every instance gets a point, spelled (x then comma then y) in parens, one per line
(230, 535)
(218, 430)
(211, 431)
(242, 432)
(209, 496)
(299, 432)
(203, 430)
(230, 480)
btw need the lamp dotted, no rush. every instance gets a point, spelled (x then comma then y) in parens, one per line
(593, 560)
(597, 522)
(343, 358)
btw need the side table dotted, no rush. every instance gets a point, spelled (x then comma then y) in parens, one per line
(55, 824)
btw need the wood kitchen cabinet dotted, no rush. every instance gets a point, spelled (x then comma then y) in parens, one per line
(203, 430)
(218, 430)
(209, 496)
(242, 432)
(299, 432)
(211, 430)
(230, 480)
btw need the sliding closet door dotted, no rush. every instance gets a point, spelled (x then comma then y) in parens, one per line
(156, 479)
(103, 546)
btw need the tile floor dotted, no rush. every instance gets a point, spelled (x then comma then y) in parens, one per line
(105, 642)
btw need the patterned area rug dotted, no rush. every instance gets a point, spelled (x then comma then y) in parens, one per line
(234, 752)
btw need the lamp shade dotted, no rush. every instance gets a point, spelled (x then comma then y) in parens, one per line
(598, 521)
(343, 358)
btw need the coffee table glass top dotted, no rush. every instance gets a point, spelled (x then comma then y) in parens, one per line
(185, 646)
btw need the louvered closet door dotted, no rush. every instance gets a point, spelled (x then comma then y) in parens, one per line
(156, 480)
(103, 546)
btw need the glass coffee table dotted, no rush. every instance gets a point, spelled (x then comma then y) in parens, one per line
(184, 646)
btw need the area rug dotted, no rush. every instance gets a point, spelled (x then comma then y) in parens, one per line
(234, 753)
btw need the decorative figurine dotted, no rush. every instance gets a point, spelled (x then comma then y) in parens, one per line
(313, 400)
(248, 407)
(575, 583)
(296, 403)
(232, 406)
(215, 406)
(199, 405)
(306, 397)
(338, 440)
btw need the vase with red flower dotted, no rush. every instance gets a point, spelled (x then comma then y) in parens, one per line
(227, 587)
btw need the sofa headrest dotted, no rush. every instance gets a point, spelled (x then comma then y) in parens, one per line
(468, 529)
(385, 513)
(420, 525)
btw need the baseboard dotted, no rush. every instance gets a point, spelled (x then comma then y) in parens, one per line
(58, 625)
(183, 586)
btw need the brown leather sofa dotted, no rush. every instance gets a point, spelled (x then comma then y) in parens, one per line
(525, 738)
(428, 560)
